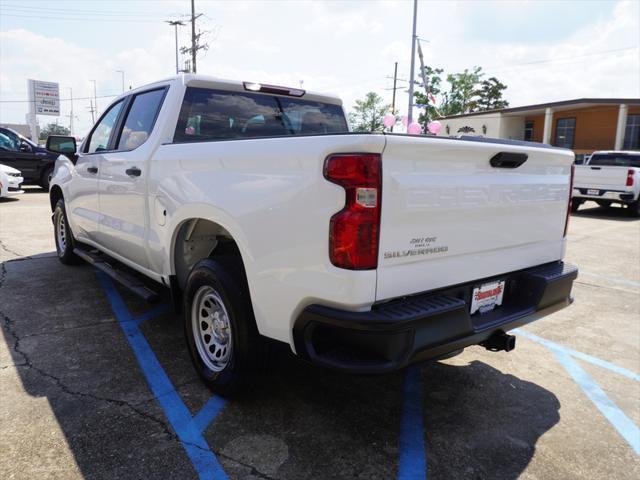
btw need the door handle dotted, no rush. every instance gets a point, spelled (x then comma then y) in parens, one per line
(133, 171)
(92, 169)
(508, 160)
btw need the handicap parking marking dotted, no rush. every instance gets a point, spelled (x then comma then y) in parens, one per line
(413, 460)
(188, 428)
(566, 356)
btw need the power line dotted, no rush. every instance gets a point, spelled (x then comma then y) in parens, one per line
(77, 11)
(63, 99)
(552, 60)
(82, 19)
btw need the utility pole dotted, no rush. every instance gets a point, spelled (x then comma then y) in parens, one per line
(175, 24)
(121, 72)
(92, 110)
(395, 80)
(194, 40)
(413, 61)
(95, 98)
(71, 111)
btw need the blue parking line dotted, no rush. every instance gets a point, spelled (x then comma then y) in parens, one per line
(622, 281)
(188, 431)
(582, 356)
(623, 424)
(413, 459)
(208, 413)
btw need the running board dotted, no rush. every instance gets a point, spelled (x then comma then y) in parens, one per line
(125, 279)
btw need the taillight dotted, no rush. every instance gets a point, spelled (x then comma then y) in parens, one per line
(566, 222)
(355, 230)
(630, 178)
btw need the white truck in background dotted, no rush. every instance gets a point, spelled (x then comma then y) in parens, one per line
(609, 177)
(265, 217)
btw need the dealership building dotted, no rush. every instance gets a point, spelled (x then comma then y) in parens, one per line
(583, 125)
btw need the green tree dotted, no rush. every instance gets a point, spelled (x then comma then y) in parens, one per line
(462, 95)
(466, 93)
(367, 115)
(53, 129)
(429, 111)
(490, 95)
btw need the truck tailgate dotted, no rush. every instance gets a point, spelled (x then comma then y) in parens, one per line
(602, 178)
(449, 217)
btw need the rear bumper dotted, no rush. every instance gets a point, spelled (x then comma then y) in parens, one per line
(394, 334)
(604, 195)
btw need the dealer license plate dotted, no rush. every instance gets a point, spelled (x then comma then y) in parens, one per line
(486, 297)
(591, 191)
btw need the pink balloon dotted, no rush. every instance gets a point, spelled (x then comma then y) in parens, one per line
(414, 128)
(405, 120)
(389, 120)
(434, 127)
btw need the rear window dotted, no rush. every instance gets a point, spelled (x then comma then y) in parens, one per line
(615, 160)
(208, 114)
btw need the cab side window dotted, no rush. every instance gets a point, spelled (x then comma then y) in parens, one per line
(99, 140)
(140, 119)
(9, 141)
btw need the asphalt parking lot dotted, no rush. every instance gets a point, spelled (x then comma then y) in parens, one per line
(96, 384)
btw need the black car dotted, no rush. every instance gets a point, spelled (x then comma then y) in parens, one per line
(34, 161)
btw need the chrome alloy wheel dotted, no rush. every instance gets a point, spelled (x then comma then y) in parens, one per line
(211, 328)
(61, 234)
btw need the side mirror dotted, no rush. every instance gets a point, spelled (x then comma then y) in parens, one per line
(25, 147)
(61, 145)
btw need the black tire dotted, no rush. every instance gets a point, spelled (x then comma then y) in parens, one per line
(604, 203)
(633, 209)
(65, 242)
(575, 205)
(224, 275)
(45, 178)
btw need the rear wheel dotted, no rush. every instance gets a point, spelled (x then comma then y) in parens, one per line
(633, 209)
(65, 242)
(219, 324)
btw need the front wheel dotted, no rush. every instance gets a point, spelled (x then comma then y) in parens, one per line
(219, 324)
(45, 178)
(63, 236)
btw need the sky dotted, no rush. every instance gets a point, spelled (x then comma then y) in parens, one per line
(542, 50)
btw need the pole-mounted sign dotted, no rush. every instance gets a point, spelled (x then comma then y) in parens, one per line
(44, 99)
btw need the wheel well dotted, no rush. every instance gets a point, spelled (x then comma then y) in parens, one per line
(55, 194)
(196, 239)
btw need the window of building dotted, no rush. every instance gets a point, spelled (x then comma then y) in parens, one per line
(565, 132)
(528, 130)
(632, 133)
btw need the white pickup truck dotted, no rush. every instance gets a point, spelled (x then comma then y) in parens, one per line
(609, 177)
(266, 217)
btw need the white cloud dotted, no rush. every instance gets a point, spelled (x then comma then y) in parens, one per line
(343, 47)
